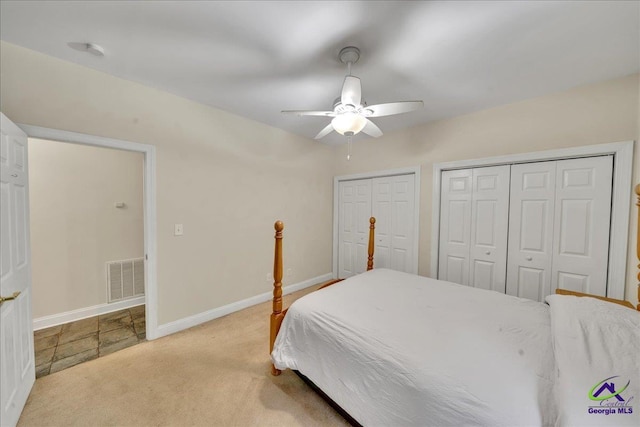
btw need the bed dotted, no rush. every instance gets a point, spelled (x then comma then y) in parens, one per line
(391, 348)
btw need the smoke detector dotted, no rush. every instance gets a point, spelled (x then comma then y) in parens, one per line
(91, 48)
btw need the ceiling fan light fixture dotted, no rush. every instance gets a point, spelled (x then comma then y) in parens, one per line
(348, 122)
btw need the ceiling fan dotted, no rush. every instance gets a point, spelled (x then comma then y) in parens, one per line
(350, 112)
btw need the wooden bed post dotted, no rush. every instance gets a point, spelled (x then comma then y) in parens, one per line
(372, 228)
(638, 241)
(277, 315)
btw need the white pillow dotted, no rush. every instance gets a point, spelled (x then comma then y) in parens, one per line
(597, 351)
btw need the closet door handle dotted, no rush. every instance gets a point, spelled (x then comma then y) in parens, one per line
(529, 258)
(488, 253)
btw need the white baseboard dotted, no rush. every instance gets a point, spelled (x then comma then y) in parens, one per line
(83, 313)
(196, 319)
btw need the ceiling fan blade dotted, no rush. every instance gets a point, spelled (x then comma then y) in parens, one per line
(391, 108)
(309, 113)
(324, 132)
(371, 129)
(351, 91)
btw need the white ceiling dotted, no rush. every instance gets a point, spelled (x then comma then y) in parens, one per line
(257, 58)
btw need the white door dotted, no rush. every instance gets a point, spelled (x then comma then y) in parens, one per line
(489, 228)
(402, 223)
(381, 209)
(354, 212)
(531, 215)
(455, 226)
(16, 329)
(582, 223)
(393, 207)
(391, 200)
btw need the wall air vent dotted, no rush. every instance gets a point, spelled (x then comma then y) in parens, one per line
(125, 279)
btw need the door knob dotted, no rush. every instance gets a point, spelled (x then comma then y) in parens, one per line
(12, 297)
(488, 253)
(529, 258)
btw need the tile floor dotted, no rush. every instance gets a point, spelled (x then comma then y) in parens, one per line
(63, 346)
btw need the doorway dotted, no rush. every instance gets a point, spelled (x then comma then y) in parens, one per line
(149, 208)
(87, 251)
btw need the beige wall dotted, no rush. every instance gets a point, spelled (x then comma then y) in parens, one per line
(593, 114)
(75, 226)
(226, 178)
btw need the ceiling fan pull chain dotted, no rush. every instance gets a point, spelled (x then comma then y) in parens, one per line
(349, 148)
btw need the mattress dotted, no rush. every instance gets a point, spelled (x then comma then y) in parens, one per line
(393, 348)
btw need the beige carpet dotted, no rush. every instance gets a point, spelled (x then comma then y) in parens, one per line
(215, 374)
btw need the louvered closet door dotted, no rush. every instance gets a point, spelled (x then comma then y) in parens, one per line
(393, 207)
(582, 222)
(353, 234)
(531, 230)
(455, 226)
(489, 219)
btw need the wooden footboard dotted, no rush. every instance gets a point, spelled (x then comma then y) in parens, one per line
(613, 300)
(277, 316)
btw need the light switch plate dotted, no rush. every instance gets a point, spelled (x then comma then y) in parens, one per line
(177, 230)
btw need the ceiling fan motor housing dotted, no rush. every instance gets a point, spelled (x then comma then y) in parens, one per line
(349, 54)
(338, 102)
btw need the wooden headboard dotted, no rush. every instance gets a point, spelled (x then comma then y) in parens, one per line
(638, 241)
(580, 294)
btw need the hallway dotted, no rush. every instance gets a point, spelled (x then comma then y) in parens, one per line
(60, 347)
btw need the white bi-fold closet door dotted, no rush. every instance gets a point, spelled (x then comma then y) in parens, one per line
(353, 216)
(527, 229)
(559, 227)
(391, 200)
(473, 229)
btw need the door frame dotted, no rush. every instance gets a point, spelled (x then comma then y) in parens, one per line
(415, 170)
(621, 196)
(149, 205)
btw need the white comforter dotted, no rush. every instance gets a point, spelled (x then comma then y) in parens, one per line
(398, 349)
